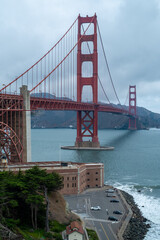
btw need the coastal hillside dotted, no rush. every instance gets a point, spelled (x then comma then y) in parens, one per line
(65, 119)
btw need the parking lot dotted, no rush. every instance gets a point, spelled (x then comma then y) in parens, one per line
(95, 218)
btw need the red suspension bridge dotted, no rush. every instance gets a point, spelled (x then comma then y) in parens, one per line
(59, 81)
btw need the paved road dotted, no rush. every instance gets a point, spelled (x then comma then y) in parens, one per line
(81, 204)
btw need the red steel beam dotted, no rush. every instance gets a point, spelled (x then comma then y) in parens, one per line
(54, 104)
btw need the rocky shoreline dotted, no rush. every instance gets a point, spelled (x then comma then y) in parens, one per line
(138, 225)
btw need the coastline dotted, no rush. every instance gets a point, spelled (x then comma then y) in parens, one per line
(133, 225)
(138, 225)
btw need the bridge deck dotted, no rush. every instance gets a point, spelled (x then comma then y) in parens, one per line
(9, 102)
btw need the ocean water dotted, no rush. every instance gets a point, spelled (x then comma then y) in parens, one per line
(133, 166)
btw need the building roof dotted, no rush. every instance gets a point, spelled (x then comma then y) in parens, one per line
(50, 165)
(74, 227)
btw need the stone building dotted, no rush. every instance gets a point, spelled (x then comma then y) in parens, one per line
(77, 176)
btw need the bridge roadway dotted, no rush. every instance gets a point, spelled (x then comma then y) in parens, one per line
(98, 220)
(12, 102)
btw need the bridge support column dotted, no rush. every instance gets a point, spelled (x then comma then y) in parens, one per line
(87, 126)
(132, 108)
(87, 121)
(95, 128)
(26, 124)
(79, 128)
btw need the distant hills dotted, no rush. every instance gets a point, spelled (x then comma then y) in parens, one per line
(65, 119)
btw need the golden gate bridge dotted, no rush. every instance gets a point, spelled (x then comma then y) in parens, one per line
(57, 81)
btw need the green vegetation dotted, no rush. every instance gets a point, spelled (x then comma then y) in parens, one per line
(57, 227)
(28, 235)
(92, 234)
(24, 200)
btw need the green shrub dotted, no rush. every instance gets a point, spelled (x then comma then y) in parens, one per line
(57, 227)
(48, 235)
(12, 223)
(28, 234)
(92, 234)
(57, 236)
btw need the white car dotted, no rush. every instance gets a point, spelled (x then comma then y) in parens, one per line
(110, 190)
(96, 208)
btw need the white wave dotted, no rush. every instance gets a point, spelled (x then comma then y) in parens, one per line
(149, 206)
(153, 129)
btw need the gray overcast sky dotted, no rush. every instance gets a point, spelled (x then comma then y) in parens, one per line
(130, 31)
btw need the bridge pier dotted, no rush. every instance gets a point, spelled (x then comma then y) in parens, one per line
(26, 139)
(87, 126)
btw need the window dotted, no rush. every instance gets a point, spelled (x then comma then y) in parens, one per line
(88, 179)
(72, 184)
(67, 185)
(88, 186)
(67, 178)
(96, 172)
(87, 173)
(75, 184)
(96, 179)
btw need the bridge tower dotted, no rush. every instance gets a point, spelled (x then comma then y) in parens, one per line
(87, 121)
(132, 107)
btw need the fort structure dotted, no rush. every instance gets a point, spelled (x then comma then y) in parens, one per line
(77, 176)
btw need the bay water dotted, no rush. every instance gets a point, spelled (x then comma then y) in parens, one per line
(133, 166)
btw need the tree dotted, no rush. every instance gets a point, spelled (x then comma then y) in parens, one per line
(31, 193)
(42, 184)
(8, 201)
(50, 182)
(19, 192)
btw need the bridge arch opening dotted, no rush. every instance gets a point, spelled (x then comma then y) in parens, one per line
(87, 94)
(132, 103)
(87, 48)
(90, 29)
(132, 95)
(87, 69)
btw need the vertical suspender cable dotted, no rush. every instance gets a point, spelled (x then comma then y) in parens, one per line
(64, 66)
(41, 76)
(61, 71)
(52, 78)
(58, 71)
(73, 66)
(48, 79)
(55, 74)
